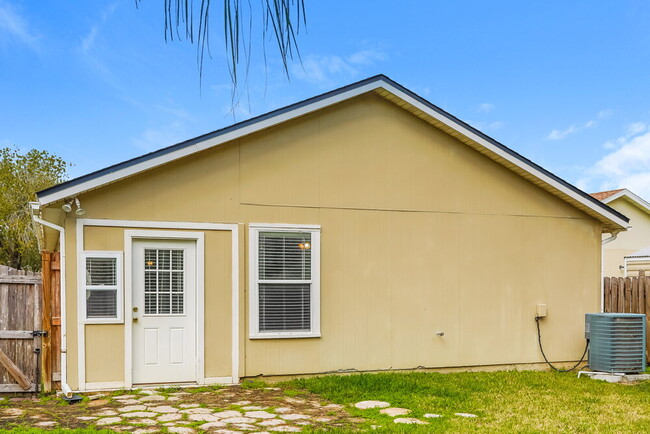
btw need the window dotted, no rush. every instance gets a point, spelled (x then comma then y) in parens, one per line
(164, 281)
(103, 287)
(285, 286)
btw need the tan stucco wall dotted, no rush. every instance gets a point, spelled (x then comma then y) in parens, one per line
(419, 234)
(626, 242)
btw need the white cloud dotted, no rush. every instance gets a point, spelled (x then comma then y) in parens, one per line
(560, 134)
(627, 166)
(152, 139)
(486, 107)
(574, 128)
(14, 26)
(327, 70)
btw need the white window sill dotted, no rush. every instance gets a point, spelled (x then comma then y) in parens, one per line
(288, 335)
(103, 321)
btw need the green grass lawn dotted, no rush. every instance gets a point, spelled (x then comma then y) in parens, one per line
(503, 401)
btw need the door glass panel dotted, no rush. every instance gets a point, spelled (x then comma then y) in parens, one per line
(164, 289)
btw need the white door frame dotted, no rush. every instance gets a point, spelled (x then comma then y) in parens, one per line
(199, 305)
(176, 227)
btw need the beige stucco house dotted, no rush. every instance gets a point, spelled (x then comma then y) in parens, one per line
(363, 229)
(629, 252)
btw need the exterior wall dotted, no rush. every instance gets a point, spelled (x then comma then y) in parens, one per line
(627, 242)
(420, 234)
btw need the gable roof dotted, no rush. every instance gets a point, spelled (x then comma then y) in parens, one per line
(612, 195)
(383, 86)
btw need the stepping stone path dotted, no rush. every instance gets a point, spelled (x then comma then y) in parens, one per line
(465, 414)
(230, 410)
(396, 411)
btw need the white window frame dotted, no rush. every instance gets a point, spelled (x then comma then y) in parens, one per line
(119, 300)
(253, 257)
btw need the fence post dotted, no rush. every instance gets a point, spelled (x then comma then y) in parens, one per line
(46, 324)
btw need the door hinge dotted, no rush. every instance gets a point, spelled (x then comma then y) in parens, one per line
(39, 333)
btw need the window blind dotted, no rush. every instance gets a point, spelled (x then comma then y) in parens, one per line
(101, 287)
(284, 280)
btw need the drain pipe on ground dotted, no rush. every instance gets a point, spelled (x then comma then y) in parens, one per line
(602, 268)
(67, 391)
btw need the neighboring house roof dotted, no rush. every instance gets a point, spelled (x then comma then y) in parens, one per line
(612, 195)
(388, 89)
(644, 252)
(602, 195)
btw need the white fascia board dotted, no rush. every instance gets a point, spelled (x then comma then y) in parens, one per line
(206, 144)
(639, 202)
(503, 154)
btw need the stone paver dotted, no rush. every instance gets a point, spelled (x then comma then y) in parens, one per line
(181, 430)
(145, 430)
(245, 427)
(364, 405)
(333, 407)
(283, 410)
(129, 401)
(253, 407)
(465, 414)
(243, 403)
(395, 411)
(86, 417)
(152, 398)
(173, 398)
(163, 409)
(148, 392)
(271, 422)
(259, 414)
(140, 414)
(145, 421)
(13, 411)
(294, 416)
(238, 420)
(228, 413)
(108, 421)
(211, 425)
(203, 417)
(45, 423)
(121, 397)
(106, 412)
(197, 410)
(295, 400)
(432, 415)
(170, 417)
(132, 408)
(189, 405)
(410, 420)
(322, 419)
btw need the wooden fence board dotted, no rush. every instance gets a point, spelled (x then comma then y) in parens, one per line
(629, 295)
(20, 293)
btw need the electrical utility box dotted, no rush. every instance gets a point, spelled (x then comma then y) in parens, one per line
(617, 342)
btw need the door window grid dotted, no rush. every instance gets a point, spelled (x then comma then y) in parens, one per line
(164, 278)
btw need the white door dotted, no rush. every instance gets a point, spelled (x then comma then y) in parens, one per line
(164, 311)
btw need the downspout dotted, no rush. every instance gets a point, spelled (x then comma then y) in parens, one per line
(602, 268)
(67, 391)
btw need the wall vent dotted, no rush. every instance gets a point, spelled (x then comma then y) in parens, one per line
(616, 342)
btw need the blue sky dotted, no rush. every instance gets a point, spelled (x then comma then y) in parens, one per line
(566, 84)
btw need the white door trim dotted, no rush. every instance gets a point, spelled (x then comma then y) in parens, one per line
(199, 238)
(81, 347)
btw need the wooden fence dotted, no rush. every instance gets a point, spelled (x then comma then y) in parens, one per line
(30, 302)
(629, 295)
(20, 316)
